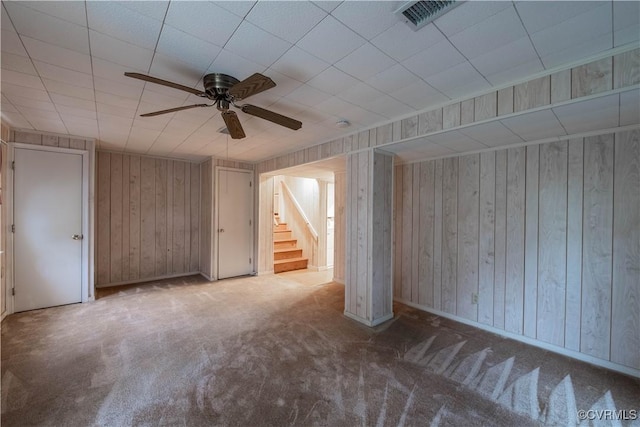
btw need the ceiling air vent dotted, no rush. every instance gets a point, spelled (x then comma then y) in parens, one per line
(417, 14)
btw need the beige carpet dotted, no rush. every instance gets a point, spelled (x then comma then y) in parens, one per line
(276, 350)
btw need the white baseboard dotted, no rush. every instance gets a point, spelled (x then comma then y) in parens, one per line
(546, 346)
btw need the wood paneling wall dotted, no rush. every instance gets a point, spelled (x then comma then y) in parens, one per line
(368, 294)
(298, 226)
(339, 224)
(547, 236)
(265, 219)
(50, 140)
(148, 218)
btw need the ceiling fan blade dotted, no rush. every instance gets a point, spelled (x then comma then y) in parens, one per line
(172, 110)
(233, 124)
(250, 86)
(272, 117)
(165, 83)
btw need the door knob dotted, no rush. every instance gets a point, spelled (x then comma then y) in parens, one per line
(77, 237)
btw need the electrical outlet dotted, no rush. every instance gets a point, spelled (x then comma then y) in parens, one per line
(474, 298)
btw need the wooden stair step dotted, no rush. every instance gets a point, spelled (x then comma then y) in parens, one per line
(281, 234)
(281, 227)
(285, 243)
(290, 264)
(287, 253)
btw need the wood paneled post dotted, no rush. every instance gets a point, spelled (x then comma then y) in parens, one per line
(368, 285)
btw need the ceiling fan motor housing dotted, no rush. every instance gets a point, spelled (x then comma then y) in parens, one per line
(217, 85)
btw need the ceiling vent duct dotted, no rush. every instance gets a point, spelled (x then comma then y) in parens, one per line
(417, 14)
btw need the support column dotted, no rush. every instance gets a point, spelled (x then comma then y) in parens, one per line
(368, 285)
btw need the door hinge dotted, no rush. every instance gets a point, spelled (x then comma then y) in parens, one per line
(13, 228)
(249, 222)
(249, 260)
(250, 184)
(13, 165)
(13, 291)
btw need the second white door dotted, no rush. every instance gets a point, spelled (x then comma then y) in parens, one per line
(235, 223)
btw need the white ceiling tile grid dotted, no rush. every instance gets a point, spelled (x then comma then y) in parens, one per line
(63, 66)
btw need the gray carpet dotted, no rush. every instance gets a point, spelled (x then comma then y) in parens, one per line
(273, 351)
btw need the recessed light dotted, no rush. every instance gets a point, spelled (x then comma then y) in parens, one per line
(343, 123)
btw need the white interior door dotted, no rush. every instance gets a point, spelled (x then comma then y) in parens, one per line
(48, 229)
(235, 223)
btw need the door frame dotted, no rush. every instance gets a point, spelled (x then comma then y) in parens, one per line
(215, 256)
(86, 279)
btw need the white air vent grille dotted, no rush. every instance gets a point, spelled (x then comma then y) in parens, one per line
(417, 14)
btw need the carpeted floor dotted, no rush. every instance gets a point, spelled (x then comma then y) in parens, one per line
(276, 351)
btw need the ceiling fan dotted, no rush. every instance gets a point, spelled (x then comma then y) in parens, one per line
(224, 91)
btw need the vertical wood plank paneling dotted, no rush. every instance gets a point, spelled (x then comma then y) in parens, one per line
(363, 278)
(431, 121)
(468, 231)
(407, 230)
(449, 233)
(426, 228)
(467, 110)
(63, 142)
(126, 231)
(505, 101)
(115, 228)
(486, 106)
(437, 237)
(594, 77)
(194, 251)
(451, 116)
(353, 231)
(626, 69)
(388, 230)
(103, 226)
(186, 211)
(409, 127)
(532, 94)
(560, 86)
(177, 206)
(595, 333)
(134, 217)
(514, 286)
(78, 144)
(169, 165)
(148, 217)
(625, 320)
(50, 140)
(500, 239)
(161, 262)
(397, 232)
(339, 226)
(415, 240)
(206, 206)
(552, 265)
(486, 244)
(531, 241)
(574, 244)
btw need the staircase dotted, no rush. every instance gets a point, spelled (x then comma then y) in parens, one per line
(286, 254)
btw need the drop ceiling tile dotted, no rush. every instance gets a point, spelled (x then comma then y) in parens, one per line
(109, 121)
(574, 31)
(53, 72)
(308, 96)
(158, 101)
(21, 64)
(54, 86)
(126, 112)
(334, 106)
(59, 56)
(31, 23)
(84, 131)
(153, 9)
(234, 65)
(31, 103)
(419, 95)
(389, 107)
(76, 113)
(367, 18)
(299, 65)
(119, 52)
(204, 20)
(114, 88)
(154, 123)
(16, 120)
(492, 134)
(237, 7)
(456, 141)
(626, 22)
(11, 43)
(392, 79)
(115, 72)
(187, 48)
(44, 125)
(284, 85)
(116, 100)
(330, 40)
(88, 123)
(434, 60)
(329, 5)
(578, 51)
(6, 105)
(286, 20)
(630, 108)
(38, 114)
(537, 16)
(59, 99)
(535, 126)
(257, 45)
(401, 42)
(22, 79)
(12, 91)
(171, 69)
(468, 14)
(142, 135)
(599, 113)
(365, 62)
(505, 57)
(117, 21)
(516, 73)
(489, 34)
(312, 116)
(332, 81)
(5, 21)
(459, 81)
(72, 11)
(360, 94)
